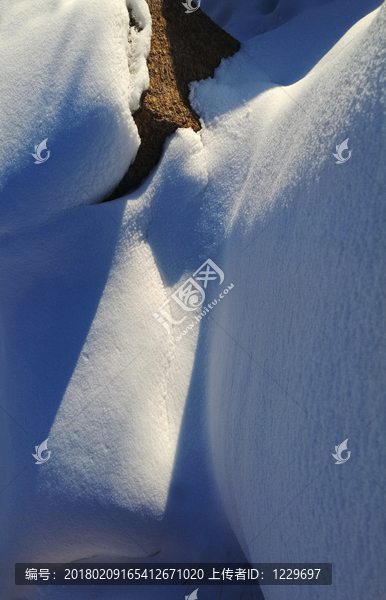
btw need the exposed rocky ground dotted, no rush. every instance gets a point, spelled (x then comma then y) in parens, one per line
(185, 47)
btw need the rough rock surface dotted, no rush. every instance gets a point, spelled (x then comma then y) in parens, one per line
(185, 47)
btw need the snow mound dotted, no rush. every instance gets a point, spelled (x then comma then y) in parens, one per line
(296, 352)
(91, 370)
(65, 78)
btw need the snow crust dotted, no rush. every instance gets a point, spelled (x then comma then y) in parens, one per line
(217, 448)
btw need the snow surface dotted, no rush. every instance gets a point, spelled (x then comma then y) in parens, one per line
(219, 446)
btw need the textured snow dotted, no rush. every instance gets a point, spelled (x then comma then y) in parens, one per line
(218, 447)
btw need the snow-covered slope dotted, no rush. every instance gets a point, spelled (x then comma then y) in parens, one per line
(296, 355)
(221, 443)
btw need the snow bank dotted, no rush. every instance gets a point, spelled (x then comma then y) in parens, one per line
(296, 353)
(65, 77)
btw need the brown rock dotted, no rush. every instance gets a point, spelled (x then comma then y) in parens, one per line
(185, 47)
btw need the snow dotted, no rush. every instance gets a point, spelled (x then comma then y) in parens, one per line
(219, 446)
(58, 83)
(296, 353)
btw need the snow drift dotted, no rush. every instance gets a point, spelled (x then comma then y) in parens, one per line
(296, 354)
(218, 447)
(65, 77)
